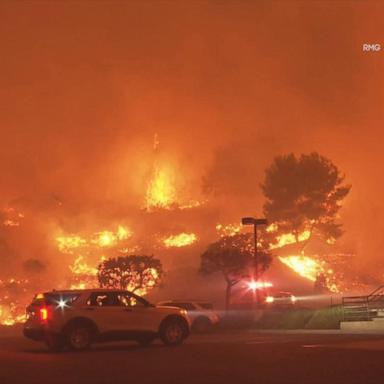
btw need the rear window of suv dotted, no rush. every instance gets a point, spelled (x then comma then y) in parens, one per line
(54, 298)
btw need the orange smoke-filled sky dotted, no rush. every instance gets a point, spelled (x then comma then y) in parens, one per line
(226, 85)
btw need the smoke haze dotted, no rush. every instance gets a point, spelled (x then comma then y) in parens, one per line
(226, 86)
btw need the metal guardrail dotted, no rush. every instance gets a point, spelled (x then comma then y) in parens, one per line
(363, 308)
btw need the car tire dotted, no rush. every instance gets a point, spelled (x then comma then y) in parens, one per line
(173, 331)
(54, 342)
(79, 337)
(202, 325)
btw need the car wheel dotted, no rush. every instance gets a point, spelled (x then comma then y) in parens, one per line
(55, 343)
(79, 337)
(173, 332)
(202, 325)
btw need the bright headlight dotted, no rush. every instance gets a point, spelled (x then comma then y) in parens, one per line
(62, 304)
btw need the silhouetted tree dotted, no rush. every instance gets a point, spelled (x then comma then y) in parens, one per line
(232, 256)
(304, 193)
(320, 285)
(135, 273)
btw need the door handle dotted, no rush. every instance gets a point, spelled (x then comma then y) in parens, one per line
(127, 309)
(89, 309)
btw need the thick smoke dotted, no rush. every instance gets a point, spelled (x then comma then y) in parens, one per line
(226, 86)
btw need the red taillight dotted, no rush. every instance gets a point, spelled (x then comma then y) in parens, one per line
(44, 314)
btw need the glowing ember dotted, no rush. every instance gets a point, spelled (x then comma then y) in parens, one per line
(191, 204)
(11, 217)
(180, 240)
(228, 230)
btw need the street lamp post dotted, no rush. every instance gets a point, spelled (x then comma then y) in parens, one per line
(255, 222)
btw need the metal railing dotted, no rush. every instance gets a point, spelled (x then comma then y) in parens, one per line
(363, 308)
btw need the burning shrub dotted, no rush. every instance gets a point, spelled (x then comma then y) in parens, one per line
(135, 273)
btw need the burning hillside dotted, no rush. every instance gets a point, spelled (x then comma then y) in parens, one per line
(172, 226)
(82, 252)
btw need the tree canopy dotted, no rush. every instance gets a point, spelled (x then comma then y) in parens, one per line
(304, 194)
(137, 273)
(232, 257)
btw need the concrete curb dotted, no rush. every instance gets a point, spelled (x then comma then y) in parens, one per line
(317, 331)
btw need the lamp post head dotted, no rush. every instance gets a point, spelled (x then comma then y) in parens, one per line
(248, 221)
(261, 221)
(253, 221)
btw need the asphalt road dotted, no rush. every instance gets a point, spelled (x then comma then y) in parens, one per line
(236, 357)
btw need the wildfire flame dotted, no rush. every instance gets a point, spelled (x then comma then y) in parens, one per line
(84, 274)
(80, 267)
(151, 276)
(161, 192)
(289, 238)
(8, 317)
(303, 265)
(68, 244)
(11, 310)
(180, 240)
(310, 268)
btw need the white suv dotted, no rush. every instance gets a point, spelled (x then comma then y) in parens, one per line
(76, 318)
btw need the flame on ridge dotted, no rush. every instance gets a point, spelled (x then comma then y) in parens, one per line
(180, 240)
(68, 244)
